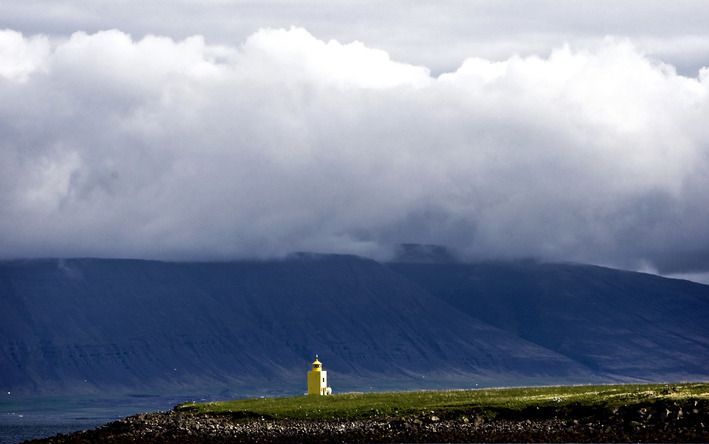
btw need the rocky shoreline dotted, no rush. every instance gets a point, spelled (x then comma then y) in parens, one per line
(659, 421)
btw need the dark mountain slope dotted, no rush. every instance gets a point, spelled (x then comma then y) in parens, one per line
(616, 322)
(87, 324)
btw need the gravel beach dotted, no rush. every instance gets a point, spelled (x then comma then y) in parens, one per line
(664, 421)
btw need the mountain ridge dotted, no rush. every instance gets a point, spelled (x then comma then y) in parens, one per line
(116, 324)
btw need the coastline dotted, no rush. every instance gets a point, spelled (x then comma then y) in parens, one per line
(647, 421)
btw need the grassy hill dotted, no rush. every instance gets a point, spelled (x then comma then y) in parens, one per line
(453, 403)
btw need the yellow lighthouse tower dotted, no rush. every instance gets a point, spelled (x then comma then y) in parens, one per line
(317, 380)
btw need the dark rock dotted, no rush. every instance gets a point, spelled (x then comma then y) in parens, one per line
(602, 426)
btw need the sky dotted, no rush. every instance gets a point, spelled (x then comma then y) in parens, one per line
(213, 130)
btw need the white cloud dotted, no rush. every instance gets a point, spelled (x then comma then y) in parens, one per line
(111, 146)
(20, 57)
(347, 66)
(434, 33)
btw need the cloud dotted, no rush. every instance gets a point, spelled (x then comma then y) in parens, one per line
(179, 149)
(19, 56)
(434, 33)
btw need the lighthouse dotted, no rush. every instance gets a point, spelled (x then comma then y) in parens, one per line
(317, 380)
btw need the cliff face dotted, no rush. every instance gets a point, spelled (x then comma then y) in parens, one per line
(615, 322)
(124, 325)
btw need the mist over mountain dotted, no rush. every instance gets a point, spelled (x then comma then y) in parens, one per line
(84, 325)
(193, 150)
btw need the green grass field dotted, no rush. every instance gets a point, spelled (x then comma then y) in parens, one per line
(449, 403)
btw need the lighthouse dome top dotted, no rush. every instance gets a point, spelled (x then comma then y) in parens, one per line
(316, 363)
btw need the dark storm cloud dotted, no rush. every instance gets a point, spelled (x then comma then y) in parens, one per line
(183, 149)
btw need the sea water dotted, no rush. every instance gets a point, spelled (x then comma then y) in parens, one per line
(41, 417)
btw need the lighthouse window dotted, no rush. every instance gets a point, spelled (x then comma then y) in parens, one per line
(323, 379)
